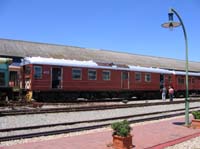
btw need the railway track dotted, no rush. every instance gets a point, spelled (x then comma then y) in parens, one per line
(36, 131)
(87, 108)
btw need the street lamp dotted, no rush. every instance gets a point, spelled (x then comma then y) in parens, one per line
(171, 24)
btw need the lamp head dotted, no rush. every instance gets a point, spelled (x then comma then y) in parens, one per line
(171, 24)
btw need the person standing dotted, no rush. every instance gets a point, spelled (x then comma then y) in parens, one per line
(164, 91)
(171, 93)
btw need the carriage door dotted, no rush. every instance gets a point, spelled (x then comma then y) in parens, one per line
(162, 80)
(56, 78)
(125, 80)
(2, 79)
(14, 79)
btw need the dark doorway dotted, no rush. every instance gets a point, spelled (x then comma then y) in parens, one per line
(56, 77)
(14, 79)
(162, 80)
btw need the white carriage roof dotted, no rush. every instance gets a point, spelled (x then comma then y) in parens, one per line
(184, 73)
(92, 64)
(58, 62)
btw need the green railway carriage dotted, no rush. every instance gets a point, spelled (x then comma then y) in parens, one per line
(5, 90)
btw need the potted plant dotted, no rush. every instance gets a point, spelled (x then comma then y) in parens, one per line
(196, 121)
(122, 139)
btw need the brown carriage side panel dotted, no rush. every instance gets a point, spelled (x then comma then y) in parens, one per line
(85, 84)
(68, 84)
(43, 83)
(193, 82)
(154, 84)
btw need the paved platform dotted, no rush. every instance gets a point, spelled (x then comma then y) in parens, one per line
(151, 135)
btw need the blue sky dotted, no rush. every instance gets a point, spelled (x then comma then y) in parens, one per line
(131, 26)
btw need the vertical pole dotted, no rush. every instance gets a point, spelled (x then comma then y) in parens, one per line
(186, 70)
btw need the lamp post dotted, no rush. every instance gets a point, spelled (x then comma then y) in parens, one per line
(170, 25)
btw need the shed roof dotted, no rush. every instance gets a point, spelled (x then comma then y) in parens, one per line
(18, 48)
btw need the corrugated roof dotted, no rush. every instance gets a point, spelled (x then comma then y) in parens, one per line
(24, 49)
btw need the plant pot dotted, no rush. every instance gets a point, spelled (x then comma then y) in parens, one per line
(122, 142)
(195, 123)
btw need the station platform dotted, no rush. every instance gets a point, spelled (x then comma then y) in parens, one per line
(156, 134)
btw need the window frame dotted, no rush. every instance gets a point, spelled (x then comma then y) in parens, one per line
(94, 70)
(147, 76)
(125, 75)
(27, 70)
(170, 79)
(79, 69)
(40, 74)
(181, 80)
(140, 75)
(193, 80)
(109, 75)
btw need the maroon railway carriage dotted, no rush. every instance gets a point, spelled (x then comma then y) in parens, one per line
(54, 80)
(179, 83)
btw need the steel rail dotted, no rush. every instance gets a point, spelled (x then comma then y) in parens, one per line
(92, 108)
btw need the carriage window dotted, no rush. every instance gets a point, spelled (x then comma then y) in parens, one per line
(37, 72)
(27, 70)
(138, 76)
(180, 80)
(147, 77)
(2, 79)
(106, 75)
(92, 75)
(170, 79)
(193, 80)
(125, 75)
(76, 74)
